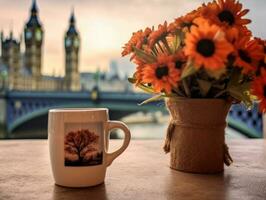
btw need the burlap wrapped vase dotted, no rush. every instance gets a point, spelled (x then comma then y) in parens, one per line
(196, 135)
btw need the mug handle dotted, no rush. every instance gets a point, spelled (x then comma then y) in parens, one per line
(120, 125)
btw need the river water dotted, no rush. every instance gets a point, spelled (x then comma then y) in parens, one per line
(147, 130)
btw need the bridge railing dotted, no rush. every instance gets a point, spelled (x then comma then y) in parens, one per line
(248, 122)
(24, 106)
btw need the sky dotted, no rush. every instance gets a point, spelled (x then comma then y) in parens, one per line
(104, 25)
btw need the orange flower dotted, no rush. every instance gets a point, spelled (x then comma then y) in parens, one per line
(248, 54)
(244, 31)
(258, 88)
(128, 48)
(163, 75)
(139, 70)
(233, 33)
(180, 60)
(207, 46)
(157, 35)
(137, 40)
(261, 65)
(262, 62)
(173, 27)
(187, 20)
(261, 42)
(226, 13)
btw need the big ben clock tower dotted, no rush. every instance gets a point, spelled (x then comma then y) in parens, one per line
(72, 44)
(33, 34)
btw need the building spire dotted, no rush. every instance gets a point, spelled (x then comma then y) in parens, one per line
(2, 35)
(34, 9)
(33, 21)
(72, 17)
(72, 21)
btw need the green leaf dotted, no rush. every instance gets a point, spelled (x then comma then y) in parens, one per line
(219, 86)
(204, 86)
(145, 88)
(186, 88)
(220, 93)
(245, 87)
(235, 78)
(152, 99)
(235, 93)
(177, 92)
(148, 58)
(238, 90)
(165, 43)
(132, 80)
(178, 38)
(216, 73)
(176, 43)
(188, 70)
(241, 94)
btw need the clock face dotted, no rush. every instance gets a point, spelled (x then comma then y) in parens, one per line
(68, 42)
(28, 34)
(38, 35)
(76, 42)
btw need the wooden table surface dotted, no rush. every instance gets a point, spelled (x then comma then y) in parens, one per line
(142, 172)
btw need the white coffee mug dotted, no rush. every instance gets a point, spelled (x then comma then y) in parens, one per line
(78, 143)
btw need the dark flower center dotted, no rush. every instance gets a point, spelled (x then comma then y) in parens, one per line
(231, 58)
(206, 47)
(186, 24)
(264, 90)
(178, 64)
(145, 40)
(226, 16)
(244, 56)
(161, 72)
(262, 65)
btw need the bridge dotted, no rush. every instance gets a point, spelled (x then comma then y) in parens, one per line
(20, 107)
(23, 106)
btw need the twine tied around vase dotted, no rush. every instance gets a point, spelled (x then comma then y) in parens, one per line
(171, 128)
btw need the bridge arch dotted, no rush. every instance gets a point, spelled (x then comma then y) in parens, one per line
(116, 111)
(22, 107)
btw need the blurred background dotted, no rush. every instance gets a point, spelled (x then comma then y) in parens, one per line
(67, 54)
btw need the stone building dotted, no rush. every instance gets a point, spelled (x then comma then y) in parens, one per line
(11, 59)
(33, 36)
(22, 70)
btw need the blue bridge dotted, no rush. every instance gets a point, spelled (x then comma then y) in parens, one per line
(19, 107)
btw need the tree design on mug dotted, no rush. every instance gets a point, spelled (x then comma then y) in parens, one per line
(82, 148)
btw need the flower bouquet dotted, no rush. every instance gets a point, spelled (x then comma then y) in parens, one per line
(200, 63)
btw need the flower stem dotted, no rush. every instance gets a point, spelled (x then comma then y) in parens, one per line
(155, 51)
(220, 93)
(166, 45)
(160, 46)
(179, 92)
(187, 91)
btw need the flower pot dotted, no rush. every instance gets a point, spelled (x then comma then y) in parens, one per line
(195, 136)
